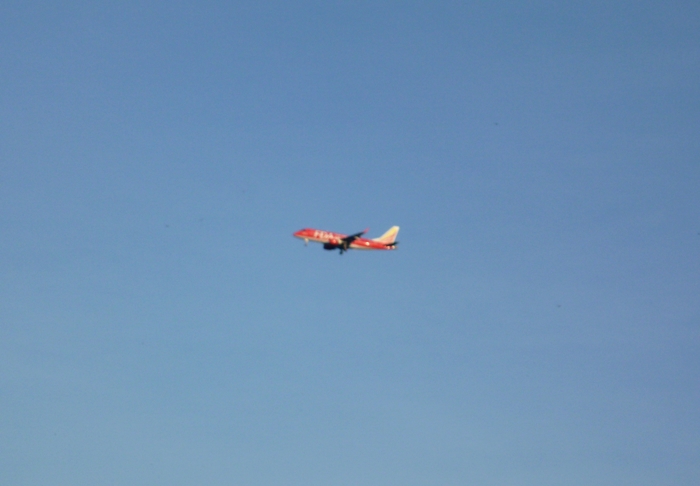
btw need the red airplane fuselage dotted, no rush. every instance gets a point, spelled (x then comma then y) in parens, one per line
(332, 241)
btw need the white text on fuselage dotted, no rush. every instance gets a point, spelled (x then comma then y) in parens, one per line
(325, 235)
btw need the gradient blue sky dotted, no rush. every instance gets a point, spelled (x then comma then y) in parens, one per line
(539, 325)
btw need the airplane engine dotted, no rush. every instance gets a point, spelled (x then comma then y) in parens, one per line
(329, 246)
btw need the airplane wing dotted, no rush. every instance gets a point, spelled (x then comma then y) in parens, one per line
(347, 241)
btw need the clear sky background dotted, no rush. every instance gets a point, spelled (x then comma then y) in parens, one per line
(539, 324)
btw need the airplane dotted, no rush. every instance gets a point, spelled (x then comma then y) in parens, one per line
(333, 241)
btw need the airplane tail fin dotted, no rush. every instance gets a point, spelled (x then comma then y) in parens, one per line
(389, 236)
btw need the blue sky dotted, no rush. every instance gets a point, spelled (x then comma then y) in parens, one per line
(539, 325)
